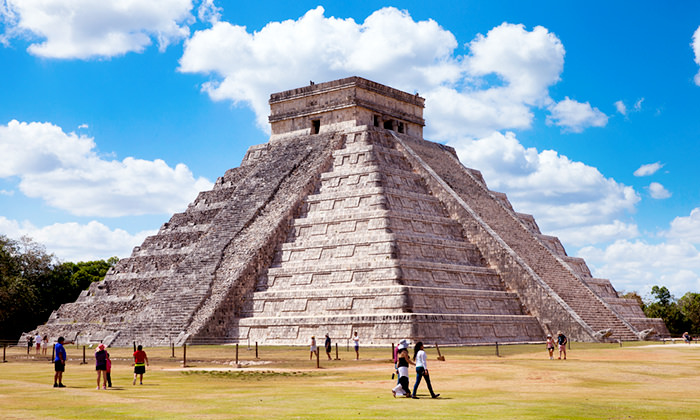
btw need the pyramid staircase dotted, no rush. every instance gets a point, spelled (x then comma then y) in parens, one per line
(373, 251)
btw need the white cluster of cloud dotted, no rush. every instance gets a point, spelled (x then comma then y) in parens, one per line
(622, 107)
(459, 88)
(686, 228)
(673, 262)
(696, 50)
(656, 190)
(648, 169)
(65, 171)
(76, 242)
(564, 196)
(575, 116)
(86, 28)
(632, 264)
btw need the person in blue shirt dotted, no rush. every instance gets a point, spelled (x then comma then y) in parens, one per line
(59, 363)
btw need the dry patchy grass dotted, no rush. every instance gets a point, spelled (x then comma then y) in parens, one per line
(599, 381)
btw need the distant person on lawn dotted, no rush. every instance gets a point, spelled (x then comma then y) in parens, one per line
(402, 366)
(327, 345)
(312, 348)
(561, 341)
(59, 363)
(101, 357)
(140, 363)
(422, 369)
(550, 346)
(37, 342)
(356, 340)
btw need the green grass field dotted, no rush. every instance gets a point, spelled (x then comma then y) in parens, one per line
(598, 381)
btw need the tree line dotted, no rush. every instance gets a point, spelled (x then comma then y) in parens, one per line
(680, 315)
(34, 283)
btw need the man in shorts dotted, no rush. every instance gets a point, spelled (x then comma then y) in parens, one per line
(59, 363)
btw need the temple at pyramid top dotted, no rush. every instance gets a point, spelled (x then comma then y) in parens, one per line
(347, 221)
(349, 102)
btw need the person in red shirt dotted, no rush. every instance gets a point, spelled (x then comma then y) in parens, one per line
(140, 363)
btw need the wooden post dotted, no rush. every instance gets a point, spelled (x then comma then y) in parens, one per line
(318, 363)
(497, 354)
(256, 349)
(53, 352)
(84, 362)
(134, 345)
(440, 356)
(184, 354)
(620, 342)
(4, 346)
(392, 351)
(336, 352)
(236, 354)
(172, 348)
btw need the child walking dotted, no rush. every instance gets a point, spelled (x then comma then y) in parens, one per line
(140, 363)
(109, 371)
(550, 346)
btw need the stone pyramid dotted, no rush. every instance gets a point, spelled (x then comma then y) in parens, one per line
(347, 220)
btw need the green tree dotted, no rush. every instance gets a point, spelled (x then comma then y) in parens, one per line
(664, 306)
(33, 284)
(690, 306)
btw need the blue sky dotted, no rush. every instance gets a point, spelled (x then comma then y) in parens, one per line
(114, 115)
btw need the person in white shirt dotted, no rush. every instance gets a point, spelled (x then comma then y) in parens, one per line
(421, 369)
(313, 349)
(37, 342)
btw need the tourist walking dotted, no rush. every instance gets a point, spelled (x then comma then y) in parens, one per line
(37, 343)
(421, 369)
(550, 346)
(402, 344)
(45, 345)
(561, 341)
(101, 357)
(313, 349)
(140, 363)
(327, 345)
(402, 366)
(356, 341)
(59, 363)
